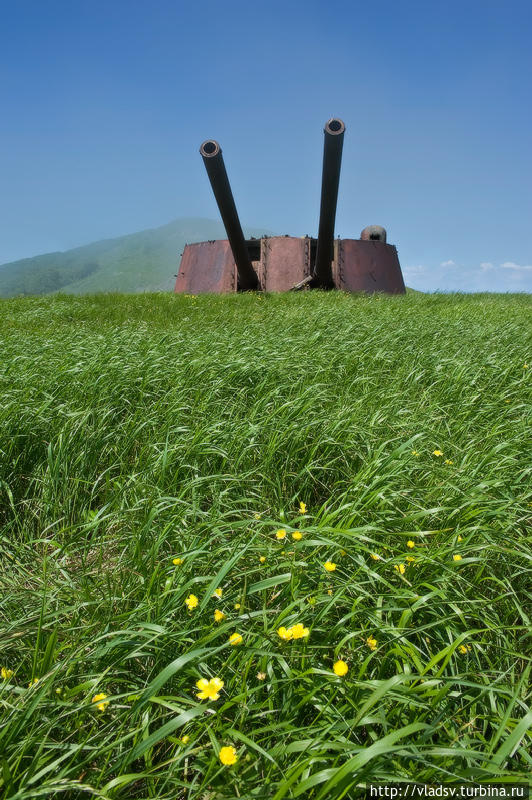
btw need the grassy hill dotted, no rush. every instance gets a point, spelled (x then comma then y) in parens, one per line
(139, 262)
(263, 546)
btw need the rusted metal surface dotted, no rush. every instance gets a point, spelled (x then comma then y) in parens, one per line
(332, 159)
(285, 261)
(207, 267)
(368, 266)
(211, 153)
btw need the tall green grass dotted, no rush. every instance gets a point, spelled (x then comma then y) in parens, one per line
(138, 430)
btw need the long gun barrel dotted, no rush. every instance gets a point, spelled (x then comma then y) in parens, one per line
(211, 153)
(332, 159)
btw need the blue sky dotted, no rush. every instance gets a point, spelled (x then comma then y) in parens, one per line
(104, 106)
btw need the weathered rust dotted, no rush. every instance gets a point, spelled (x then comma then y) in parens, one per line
(367, 266)
(211, 153)
(283, 263)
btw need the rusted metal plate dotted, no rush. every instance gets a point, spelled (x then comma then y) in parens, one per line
(367, 266)
(285, 260)
(207, 267)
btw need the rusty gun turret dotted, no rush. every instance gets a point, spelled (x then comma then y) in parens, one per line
(211, 153)
(289, 263)
(332, 159)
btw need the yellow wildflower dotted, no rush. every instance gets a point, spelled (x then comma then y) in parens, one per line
(415, 453)
(237, 606)
(177, 561)
(463, 649)
(410, 544)
(525, 366)
(457, 557)
(302, 508)
(448, 461)
(437, 453)
(33, 682)
(285, 633)
(340, 668)
(228, 756)
(371, 643)
(191, 602)
(257, 516)
(343, 553)
(459, 539)
(329, 591)
(400, 568)
(218, 615)
(297, 535)
(6, 673)
(261, 676)
(235, 638)
(209, 689)
(411, 559)
(218, 593)
(299, 631)
(280, 534)
(101, 703)
(185, 739)
(262, 559)
(375, 556)
(330, 566)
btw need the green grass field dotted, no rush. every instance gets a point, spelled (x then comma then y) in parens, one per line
(136, 431)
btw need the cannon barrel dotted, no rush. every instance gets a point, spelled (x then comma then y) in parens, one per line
(332, 159)
(211, 153)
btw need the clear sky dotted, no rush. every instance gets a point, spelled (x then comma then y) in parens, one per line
(104, 105)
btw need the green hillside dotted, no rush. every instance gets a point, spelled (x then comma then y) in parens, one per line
(263, 546)
(138, 262)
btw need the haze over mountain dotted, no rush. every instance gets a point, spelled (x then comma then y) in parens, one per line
(146, 261)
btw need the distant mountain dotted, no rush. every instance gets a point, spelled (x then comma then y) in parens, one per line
(140, 262)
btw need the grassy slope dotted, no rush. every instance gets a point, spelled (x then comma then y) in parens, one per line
(138, 429)
(144, 261)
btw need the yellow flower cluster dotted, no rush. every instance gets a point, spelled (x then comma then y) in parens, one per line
(218, 615)
(297, 631)
(235, 638)
(6, 673)
(371, 643)
(280, 534)
(330, 566)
